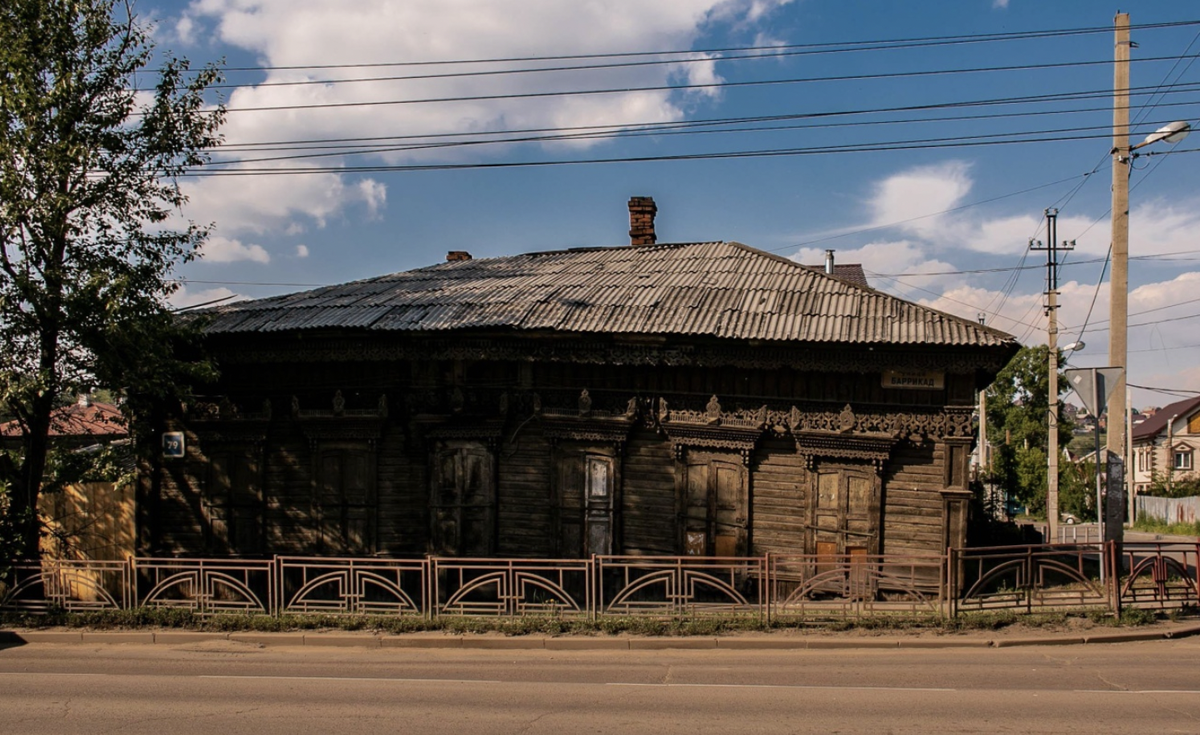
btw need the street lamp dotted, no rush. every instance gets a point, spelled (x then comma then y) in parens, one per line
(1122, 159)
(1118, 346)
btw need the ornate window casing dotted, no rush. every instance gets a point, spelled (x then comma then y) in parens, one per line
(230, 470)
(344, 445)
(1182, 459)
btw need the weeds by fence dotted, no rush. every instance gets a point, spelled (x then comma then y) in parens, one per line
(792, 588)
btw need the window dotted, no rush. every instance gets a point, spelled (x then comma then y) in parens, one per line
(232, 503)
(1183, 459)
(345, 498)
(716, 512)
(462, 503)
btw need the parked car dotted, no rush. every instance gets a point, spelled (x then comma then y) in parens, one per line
(1069, 519)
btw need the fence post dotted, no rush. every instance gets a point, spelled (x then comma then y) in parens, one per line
(765, 580)
(951, 582)
(1114, 576)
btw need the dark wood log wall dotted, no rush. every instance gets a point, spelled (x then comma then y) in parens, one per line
(647, 508)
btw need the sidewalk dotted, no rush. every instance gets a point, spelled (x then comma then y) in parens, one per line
(778, 641)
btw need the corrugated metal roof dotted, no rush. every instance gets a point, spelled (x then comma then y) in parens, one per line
(721, 289)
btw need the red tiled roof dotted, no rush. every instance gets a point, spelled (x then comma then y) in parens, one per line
(94, 419)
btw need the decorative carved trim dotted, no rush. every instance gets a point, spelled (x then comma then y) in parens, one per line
(344, 429)
(224, 410)
(812, 446)
(232, 434)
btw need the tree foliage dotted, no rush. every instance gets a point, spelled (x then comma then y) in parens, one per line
(1018, 406)
(88, 189)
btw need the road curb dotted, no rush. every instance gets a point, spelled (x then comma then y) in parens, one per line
(577, 643)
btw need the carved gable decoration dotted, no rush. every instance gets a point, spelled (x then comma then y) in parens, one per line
(713, 428)
(588, 423)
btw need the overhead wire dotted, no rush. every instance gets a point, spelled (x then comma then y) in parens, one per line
(673, 87)
(824, 47)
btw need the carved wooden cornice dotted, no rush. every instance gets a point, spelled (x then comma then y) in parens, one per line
(739, 353)
(814, 446)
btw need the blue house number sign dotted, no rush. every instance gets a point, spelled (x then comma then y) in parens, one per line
(173, 444)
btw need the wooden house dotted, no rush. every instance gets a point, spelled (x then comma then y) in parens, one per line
(653, 399)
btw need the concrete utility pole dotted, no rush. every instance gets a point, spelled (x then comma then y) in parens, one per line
(1119, 286)
(1052, 341)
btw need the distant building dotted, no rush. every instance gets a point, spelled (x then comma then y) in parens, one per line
(84, 520)
(1166, 444)
(699, 398)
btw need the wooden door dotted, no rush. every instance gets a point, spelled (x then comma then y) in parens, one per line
(715, 508)
(463, 501)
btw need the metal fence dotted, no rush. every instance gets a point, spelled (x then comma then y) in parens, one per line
(783, 588)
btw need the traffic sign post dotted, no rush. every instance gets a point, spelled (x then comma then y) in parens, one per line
(1094, 386)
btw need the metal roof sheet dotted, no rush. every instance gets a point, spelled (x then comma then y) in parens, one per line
(720, 289)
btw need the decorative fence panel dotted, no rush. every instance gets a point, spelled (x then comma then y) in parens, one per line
(206, 586)
(793, 588)
(681, 586)
(69, 585)
(1160, 575)
(1030, 578)
(559, 587)
(813, 587)
(352, 586)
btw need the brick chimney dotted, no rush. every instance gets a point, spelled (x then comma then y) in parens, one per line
(454, 255)
(641, 220)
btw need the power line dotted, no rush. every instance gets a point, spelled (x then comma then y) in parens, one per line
(673, 127)
(682, 57)
(684, 87)
(905, 145)
(829, 47)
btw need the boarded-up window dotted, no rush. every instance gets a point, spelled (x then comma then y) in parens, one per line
(463, 499)
(345, 498)
(232, 503)
(846, 516)
(716, 508)
(586, 485)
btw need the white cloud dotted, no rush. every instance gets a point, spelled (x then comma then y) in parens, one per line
(1000, 4)
(299, 32)
(217, 249)
(262, 204)
(184, 296)
(301, 251)
(916, 198)
(290, 33)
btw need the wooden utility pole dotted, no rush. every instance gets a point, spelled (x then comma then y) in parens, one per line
(1119, 285)
(1051, 249)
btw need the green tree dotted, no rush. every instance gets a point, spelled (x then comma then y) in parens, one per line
(1018, 406)
(88, 187)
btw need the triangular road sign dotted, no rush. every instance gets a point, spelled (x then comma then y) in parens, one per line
(1094, 386)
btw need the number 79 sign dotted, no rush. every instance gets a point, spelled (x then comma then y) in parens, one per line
(173, 445)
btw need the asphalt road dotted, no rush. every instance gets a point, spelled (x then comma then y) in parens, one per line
(227, 687)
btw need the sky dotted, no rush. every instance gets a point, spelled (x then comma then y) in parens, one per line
(922, 140)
